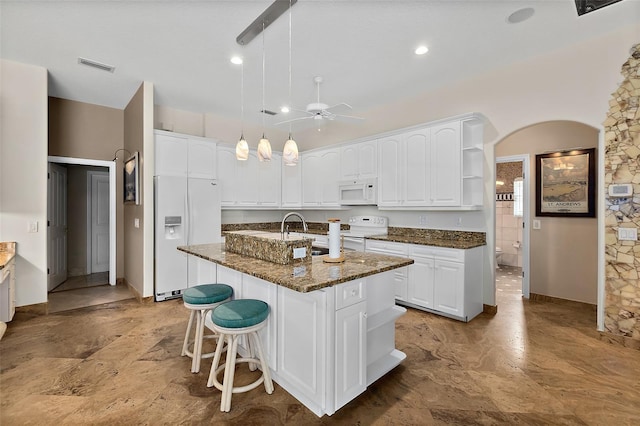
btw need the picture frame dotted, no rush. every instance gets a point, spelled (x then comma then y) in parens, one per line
(131, 181)
(566, 183)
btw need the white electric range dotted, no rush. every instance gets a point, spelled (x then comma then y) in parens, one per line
(361, 227)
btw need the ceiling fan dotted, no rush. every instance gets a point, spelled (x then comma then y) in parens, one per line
(319, 112)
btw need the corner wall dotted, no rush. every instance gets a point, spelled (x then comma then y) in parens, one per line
(23, 174)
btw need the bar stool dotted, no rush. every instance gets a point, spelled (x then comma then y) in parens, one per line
(201, 299)
(230, 321)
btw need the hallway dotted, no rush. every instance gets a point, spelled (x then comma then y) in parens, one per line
(84, 291)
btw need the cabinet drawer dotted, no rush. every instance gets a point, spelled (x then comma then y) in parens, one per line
(456, 255)
(350, 293)
(385, 247)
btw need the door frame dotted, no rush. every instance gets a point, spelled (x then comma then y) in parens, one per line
(526, 215)
(111, 165)
(89, 191)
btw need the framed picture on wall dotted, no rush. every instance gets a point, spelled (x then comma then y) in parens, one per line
(131, 180)
(566, 183)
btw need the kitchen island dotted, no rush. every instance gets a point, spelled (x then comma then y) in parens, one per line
(331, 330)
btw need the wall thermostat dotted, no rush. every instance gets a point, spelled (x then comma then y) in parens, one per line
(620, 190)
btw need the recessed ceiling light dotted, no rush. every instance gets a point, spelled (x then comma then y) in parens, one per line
(236, 60)
(520, 15)
(421, 50)
(284, 109)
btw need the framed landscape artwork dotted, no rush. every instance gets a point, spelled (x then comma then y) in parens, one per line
(566, 183)
(131, 180)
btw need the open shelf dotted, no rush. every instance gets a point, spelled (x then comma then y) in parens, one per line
(384, 317)
(383, 365)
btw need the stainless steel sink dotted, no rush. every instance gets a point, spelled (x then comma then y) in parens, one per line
(319, 251)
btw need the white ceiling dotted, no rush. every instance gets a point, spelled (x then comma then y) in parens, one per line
(362, 49)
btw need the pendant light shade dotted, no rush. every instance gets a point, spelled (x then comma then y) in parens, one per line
(290, 152)
(242, 149)
(264, 149)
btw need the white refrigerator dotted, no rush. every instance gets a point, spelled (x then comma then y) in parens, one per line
(187, 212)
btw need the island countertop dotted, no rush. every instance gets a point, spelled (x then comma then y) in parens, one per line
(303, 276)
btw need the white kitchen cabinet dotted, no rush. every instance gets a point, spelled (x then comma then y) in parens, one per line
(437, 166)
(391, 167)
(359, 161)
(200, 271)
(351, 353)
(302, 344)
(185, 155)
(320, 176)
(8, 291)
(291, 186)
(445, 155)
(256, 288)
(249, 183)
(444, 281)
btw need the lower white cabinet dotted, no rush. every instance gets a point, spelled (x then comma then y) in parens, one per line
(351, 353)
(200, 271)
(444, 281)
(8, 291)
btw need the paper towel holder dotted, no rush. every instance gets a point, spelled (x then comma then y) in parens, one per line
(340, 259)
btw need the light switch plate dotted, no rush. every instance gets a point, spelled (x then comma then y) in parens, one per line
(628, 234)
(33, 227)
(136, 223)
(536, 224)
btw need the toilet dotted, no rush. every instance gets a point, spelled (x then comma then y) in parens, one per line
(498, 255)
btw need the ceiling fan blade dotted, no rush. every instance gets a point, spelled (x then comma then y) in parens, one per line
(340, 106)
(348, 117)
(293, 119)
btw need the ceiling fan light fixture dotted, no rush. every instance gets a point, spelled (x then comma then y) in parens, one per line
(264, 149)
(285, 109)
(236, 60)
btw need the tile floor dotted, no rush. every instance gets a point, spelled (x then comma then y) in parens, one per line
(84, 291)
(533, 363)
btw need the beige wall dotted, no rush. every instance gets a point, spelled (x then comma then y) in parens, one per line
(133, 240)
(23, 171)
(564, 251)
(81, 130)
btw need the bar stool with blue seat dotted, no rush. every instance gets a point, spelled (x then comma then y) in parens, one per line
(230, 321)
(201, 299)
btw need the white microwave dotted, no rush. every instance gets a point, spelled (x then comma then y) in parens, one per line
(358, 192)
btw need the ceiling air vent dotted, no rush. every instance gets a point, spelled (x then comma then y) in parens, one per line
(268, 112)
(94, 64)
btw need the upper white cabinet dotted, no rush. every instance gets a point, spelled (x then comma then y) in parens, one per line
(320, 176)
(184, 155)
(291, 186)
(249, 183)
(359, 160)
(438, 166)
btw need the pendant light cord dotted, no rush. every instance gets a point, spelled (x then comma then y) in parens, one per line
(263, 90)
(290, 105)
(242, 100)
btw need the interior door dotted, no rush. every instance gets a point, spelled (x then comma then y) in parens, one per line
(99, 222)
(57, 226)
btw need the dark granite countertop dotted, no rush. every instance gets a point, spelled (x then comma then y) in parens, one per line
(304, 276)
(7, 252)
(429, 241)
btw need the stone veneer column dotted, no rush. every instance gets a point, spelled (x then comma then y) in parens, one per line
(622, 165)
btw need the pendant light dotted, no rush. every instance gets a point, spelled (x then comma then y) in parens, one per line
(264, 147)
(290, 150)
(242, 148)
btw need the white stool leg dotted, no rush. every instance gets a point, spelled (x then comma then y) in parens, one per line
(185, 345)
(268, 384)
(197, 344)
(229, 373)
(213, 374)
